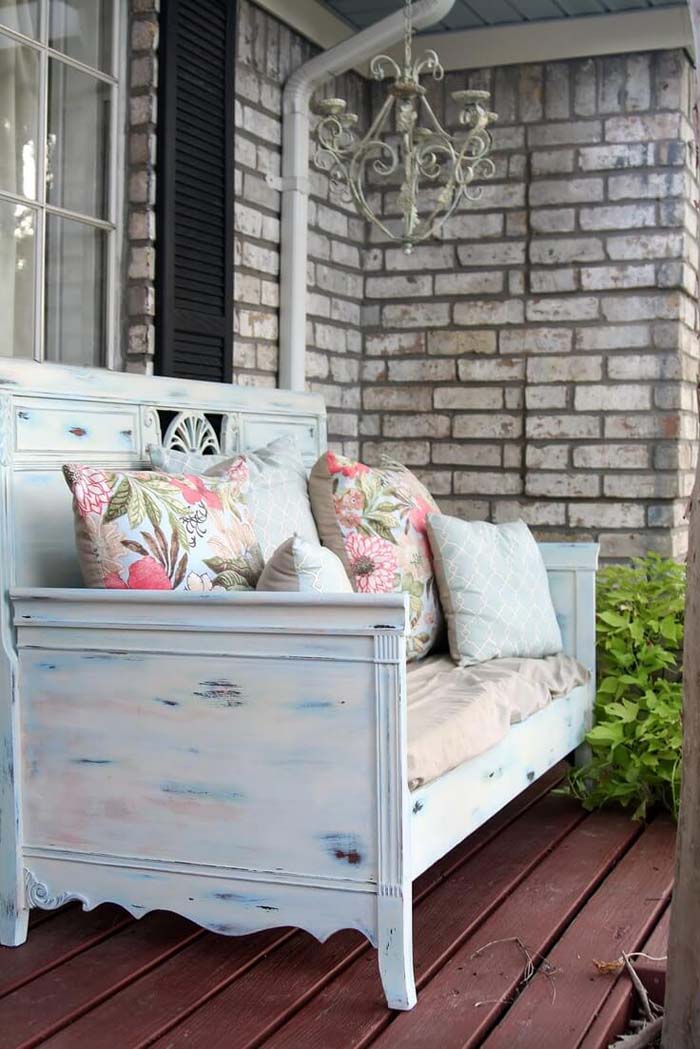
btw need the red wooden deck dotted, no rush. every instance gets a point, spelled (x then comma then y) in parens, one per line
(542, 877)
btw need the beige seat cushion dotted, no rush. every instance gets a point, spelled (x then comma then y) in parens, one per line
(456, 713)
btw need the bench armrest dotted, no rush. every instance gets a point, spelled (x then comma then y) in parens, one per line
(571, 569)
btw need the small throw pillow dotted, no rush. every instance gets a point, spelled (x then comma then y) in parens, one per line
(374, 520)
(278, 495)
(494, 590)
(147, 531)
(305, 568)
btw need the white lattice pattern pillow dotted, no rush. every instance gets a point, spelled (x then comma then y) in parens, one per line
(494, 590)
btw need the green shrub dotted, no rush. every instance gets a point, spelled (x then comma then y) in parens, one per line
(636, 739)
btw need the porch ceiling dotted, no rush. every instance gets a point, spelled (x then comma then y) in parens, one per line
(478, 14)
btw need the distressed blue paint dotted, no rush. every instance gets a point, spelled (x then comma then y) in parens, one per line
(315, 704)
(92, 761)
(166, 702)
(200, 790)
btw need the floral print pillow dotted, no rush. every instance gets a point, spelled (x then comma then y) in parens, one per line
(374, 519)
(148, 531)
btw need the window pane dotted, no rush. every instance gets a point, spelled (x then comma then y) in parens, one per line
(21, 15)
(75, 292)
(78, 141)
(19, 117)
(83, 30)
(17, 241)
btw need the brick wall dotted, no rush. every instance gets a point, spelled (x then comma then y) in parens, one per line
(539, 361)
(267, 53)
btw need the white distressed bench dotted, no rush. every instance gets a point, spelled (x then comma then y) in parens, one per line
(236, 758)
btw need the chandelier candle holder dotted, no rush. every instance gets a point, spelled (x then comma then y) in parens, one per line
(406, 137)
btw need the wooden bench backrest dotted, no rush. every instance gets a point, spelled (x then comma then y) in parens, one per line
(52, 414)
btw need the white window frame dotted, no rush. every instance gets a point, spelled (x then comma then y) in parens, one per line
(114, 223)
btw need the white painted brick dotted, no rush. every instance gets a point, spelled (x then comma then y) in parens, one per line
(533, 514)
(544, 427)
(431, 370)
(645, 246)
(606, 515)
(428, 425)
(562, 485)
(566, 191)
(457, 343)
(465, 454)
(552, 161)
(416, 315)
(547, 456)
(477, 398)
(424, 257)
(642, 128)
(605, 158)
(487, 427)
(571, 249)
(564, 369)
(636, 187)
(640, 427)
(644, 366)
(552, 220)
(540, 398)
(482, 311)
(611, 456)
(596, 278)
(535, 340)
(641, 486)
(564, 134)
(563, 308)
(619, 397)
(473, 227)
(398, 287)
(498, 369)
(618, 337)
(468, 283)
(396, 344)
(501, 253)
(410, 453)
(397, 398)
(637, 307)
(619, 216)
(553, 280)
(481, 482)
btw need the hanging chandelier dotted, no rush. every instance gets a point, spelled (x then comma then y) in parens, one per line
(406, 137)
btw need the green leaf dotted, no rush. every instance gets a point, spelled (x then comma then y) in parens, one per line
(119, 502)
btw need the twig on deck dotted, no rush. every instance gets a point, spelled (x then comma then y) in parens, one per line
(546, 969)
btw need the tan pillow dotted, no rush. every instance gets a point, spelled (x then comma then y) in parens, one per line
(301, 567)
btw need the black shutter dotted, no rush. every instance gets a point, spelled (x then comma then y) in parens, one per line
(194, 186)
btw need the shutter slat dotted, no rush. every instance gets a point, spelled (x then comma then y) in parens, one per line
(195, 190)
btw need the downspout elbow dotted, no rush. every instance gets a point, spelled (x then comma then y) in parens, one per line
(295, 163)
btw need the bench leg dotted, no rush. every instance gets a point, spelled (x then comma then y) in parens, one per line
(13, 927)
(396, 951)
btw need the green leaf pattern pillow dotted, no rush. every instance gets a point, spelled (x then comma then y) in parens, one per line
(148, 531)
(374, 520)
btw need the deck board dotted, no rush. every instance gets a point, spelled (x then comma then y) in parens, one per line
(571, 885)
(618, 917)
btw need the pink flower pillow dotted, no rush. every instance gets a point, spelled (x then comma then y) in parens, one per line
(149, 531)
(374, 520)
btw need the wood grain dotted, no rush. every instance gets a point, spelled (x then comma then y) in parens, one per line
(465, 999)
(618, 917)
(350, 1011)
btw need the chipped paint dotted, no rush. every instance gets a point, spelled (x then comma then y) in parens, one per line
(344, 847)
(77, 431)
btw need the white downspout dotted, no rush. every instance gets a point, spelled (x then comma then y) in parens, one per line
(295, 170)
